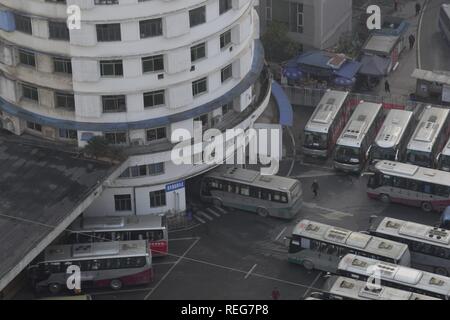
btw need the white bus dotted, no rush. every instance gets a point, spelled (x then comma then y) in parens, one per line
(429, 137)
(102, 264)
(391, 141)
(357, 137)
(429, 246)
(396, 276)
(444, 158)
(316, 245)
(326, 124)
(249, 190)
(98, 229)
(342, 288)
(444, 21)
(411, 185)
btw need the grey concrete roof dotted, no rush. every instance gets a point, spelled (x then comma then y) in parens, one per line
(44, 189)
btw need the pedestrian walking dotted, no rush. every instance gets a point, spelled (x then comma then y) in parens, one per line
(396, 5)
(412, 40)
(315, 188)
(418, 8)
(275, 294)
(387, 87)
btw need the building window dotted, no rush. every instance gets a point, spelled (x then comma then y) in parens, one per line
(106, 2)
(158, 198)
(68, 134)
(225, 39)
(114, 103)
(199, 87)
(153, 63)
(296, 21)
(116, 137)
(156, 134)
(268, 10)
(226, 73)
(62, 65)
(143, 170)
(108, 32)
(154, 98)
(64, 101)
(198, 52)
(29, 92)
(58, 30)
(204, 118)
(23, 24)
(111, 68)
(122, 202)
(197, 16)
(150, 28)
(227, 108)
(224, 6)
(156, 168)
(34, 126)
(27, 58)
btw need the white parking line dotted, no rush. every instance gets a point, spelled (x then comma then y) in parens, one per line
(280, 234)
(213, 212)
(199, 219)
(183, 239)
(312, 285)
(204, 215)
(170, 270)
(333, 214)
(250, 271)
(116, 292)
(221, 210)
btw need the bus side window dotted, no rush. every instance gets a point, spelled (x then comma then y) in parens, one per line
(412, 185)
(254, 192)
(387, 180)
(428, 188)
(315, 245)
(284, 198)
(265, 195)
(245, 190)
(399, 182)
(442, 191)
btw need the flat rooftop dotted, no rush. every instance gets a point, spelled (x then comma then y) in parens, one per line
(43, 188)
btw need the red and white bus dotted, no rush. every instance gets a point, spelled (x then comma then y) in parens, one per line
(409, 184)
(111, 264)
(152, 228)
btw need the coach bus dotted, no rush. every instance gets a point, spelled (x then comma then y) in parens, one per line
(396, 276)
(357, 137)
(98, 229)
(326, 124)
(429, 137)
(250, 191)
(444, 21)
(316, 245)
(429, 246)
(391, 141)
(443, 158)
(342, 288)
(411, 185)
(102, 264)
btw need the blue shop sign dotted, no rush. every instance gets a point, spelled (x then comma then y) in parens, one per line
(174, 186)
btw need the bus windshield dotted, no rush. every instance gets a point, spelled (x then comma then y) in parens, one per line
(378, 153)
(419, 158)
(445, 163)
(315, 140)
(347, 154)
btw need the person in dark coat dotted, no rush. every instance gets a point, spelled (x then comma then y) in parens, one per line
(412, 40)
(387, 87)
(418, 8)
(315, 188)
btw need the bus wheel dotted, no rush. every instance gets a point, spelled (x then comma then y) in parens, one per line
(441, 271)
(262, 212)
(54, 288)
(217, 203)
(426, 206)
(308, 265)
(385, 198)
(116, 284)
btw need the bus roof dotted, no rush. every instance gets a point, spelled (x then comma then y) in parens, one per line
(252, 177)
(109, 223)
(359, 123)
(413, 231)
(326, 111)
(393, 128)
(351, 239)
(396, 273)
(357, 289)
(410, 171)
(85, 251)
(430, 125)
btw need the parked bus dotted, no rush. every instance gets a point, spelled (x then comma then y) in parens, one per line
(411, 185)
(396, 276)
(444, 21)
(319, 246)
(357, 137)
(102, 264)
(429, 246)
(341, 288)
(429, 137)
(443, 158)
(391, 141)
(249, 190)
(98, 229)
(326, 124)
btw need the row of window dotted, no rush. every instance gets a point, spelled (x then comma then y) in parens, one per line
(414, 185)
(87, 237)
(60, 65)
(62, 133)
(143, 170)
(122, 202)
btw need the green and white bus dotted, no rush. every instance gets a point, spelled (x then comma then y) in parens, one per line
(250, 191)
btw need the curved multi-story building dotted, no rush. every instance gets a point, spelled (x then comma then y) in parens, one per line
(133, 72)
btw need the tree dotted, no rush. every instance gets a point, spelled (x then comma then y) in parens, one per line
(277, 44)
(99, 147)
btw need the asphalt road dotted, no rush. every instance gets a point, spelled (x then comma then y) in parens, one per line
(434, 51)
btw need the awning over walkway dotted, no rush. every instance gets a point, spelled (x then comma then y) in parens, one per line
(374, 66)
(284, 105)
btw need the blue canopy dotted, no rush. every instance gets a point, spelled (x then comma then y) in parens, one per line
(284, 106)
(348, 70)
(344, 81)
(293, 73)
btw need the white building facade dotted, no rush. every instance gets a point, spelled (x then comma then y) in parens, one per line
(134, 72)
